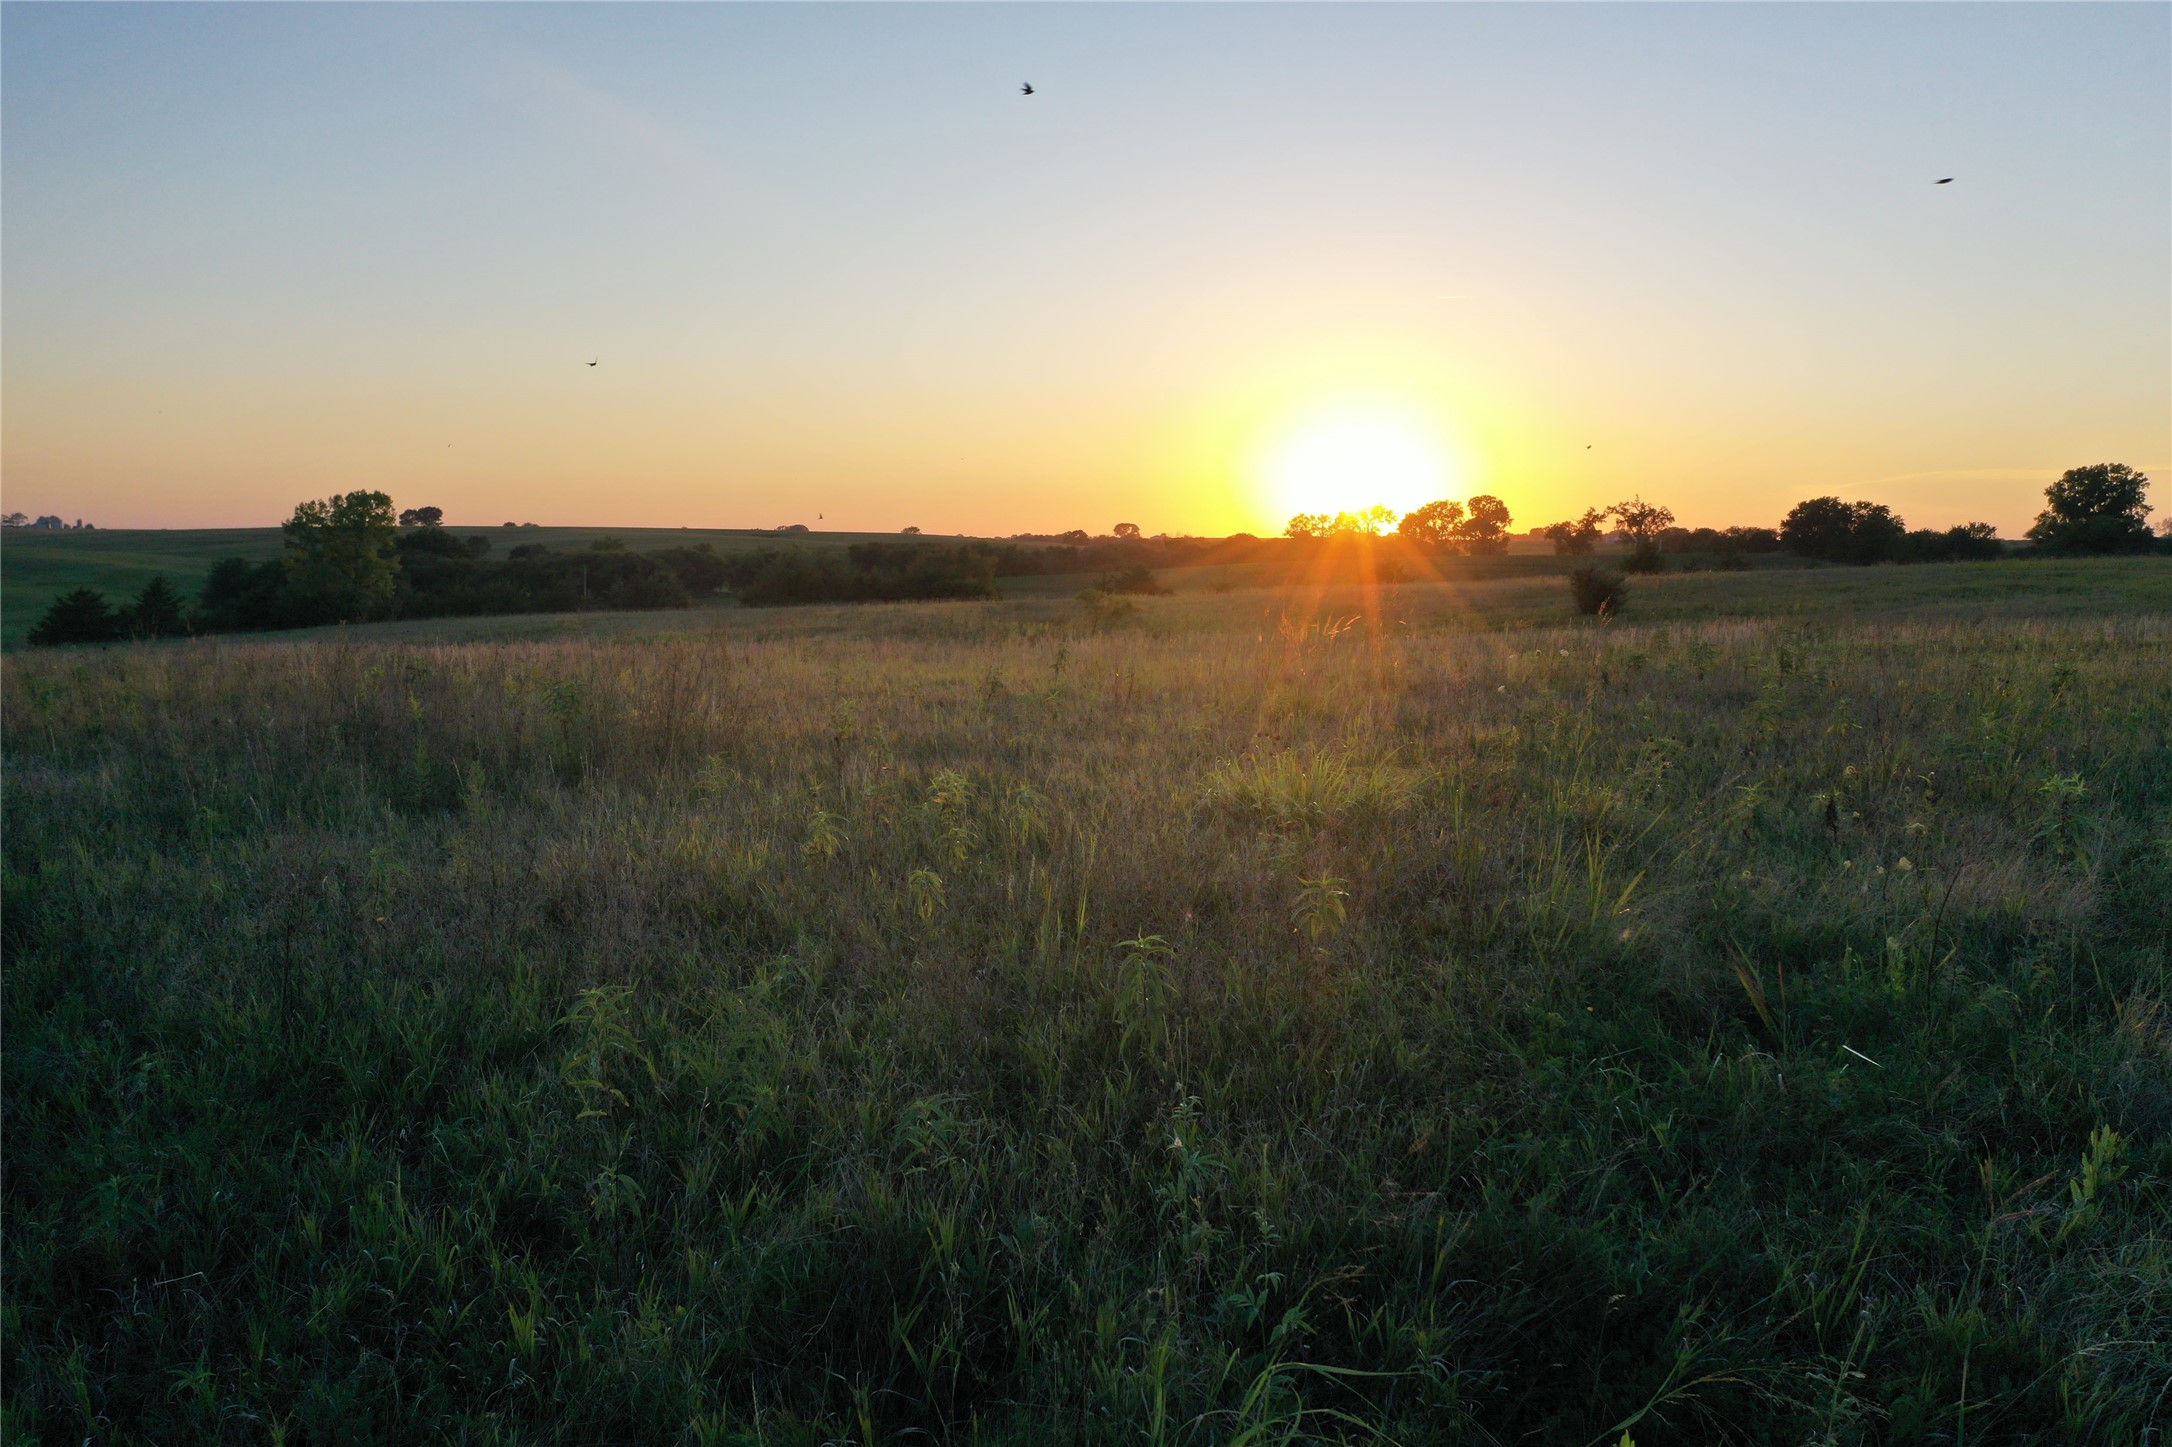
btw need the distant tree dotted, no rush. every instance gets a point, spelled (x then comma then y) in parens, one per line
(1751, 540)
(1842, 532)
(1433, 524)
(1580, 536)
(1125, 530)
(341, 554)
(1364, 523)
(435, 542)
(1486, 529)
(2098, 509)
(15, 520)
(78, 617)
(910, 532)
(1076, 536)
(1818, 527)
(240, 594)
(156, 613)
(1966, 542)
(1642, 521)
(1877, 530)
(422, 517)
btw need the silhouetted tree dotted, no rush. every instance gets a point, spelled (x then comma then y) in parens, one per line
(156, 613)
(1642, 521)
(1580, 536)
(78, 617)
(1485, 530)
(241, 595)
(422, 517)
(342, 557)
(1435, 524)
(1841, 532)
(1125, 530)
(2098, 509)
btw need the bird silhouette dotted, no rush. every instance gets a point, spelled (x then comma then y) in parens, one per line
(1025, 90)
(1946, 182)
(594, 363)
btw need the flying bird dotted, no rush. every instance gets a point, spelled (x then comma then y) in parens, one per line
(594, 363)
(1946, 182)
(1025, 90)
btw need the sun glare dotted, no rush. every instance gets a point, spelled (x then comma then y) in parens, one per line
(1351, 458)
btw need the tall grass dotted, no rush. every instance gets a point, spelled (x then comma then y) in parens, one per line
(1741, 1030)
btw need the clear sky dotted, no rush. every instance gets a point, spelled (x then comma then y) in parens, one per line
(1228, 261)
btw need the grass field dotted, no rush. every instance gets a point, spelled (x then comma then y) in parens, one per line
(38, 566)
(1260, 1016)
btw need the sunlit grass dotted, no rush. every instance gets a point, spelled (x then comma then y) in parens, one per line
(1272, 1016)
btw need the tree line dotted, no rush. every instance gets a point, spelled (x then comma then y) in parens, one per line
(2097, 509)
(350, 558)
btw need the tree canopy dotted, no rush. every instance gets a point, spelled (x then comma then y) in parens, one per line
(1642, 521)
(341, 554)
(1433, 524)
(2095, 509)
(1841, 532)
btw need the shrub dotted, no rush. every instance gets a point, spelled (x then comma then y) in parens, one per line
(1599, 592)
(1138, 578)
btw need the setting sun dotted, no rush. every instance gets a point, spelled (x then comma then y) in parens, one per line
(1350, 458)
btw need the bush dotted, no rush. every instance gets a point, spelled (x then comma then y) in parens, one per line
(1599, 592)
(1644, 559)
(1138, 578)
(1106, 608)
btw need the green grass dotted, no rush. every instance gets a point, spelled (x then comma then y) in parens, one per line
(1407, 1016)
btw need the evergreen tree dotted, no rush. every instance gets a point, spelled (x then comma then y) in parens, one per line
(156, 612)
(79, 617)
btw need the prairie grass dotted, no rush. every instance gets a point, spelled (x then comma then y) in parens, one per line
(1228, 1025)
